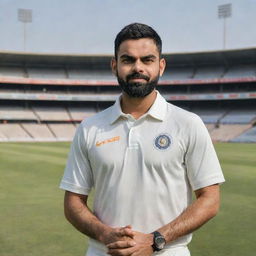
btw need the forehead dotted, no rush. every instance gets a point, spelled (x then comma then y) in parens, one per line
(138, 47)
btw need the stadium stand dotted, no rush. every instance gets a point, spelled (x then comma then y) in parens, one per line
(51, 113)
(12, 71)
(248, 136)
(210, 116)
(178, 74)
(228, 132)
(241, 71)
(16, 113)
(63, 132)
(14, 132)
(210, 127)
(39, 132)
(44, 97)
(78, 114)
(47, 73)
(90, 75)
(2, 136)
(209, 72)
(239, 117)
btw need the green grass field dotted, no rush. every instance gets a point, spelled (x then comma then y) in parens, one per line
(31, 204)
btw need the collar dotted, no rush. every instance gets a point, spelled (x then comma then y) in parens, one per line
(157, 110)
(116, 112)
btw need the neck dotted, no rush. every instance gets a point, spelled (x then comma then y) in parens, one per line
(137, 106)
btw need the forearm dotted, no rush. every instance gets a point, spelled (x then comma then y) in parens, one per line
(80, 216)
(199, 212)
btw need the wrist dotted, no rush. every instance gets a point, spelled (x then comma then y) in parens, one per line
(104, 234)
(150, 239)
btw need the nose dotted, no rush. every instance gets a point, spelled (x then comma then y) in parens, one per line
(138, 66)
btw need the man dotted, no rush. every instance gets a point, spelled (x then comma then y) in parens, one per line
(144, 157)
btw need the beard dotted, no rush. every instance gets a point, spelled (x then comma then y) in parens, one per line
(137, 90)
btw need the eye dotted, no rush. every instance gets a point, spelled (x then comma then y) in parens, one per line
(127, 61)
(148, 60)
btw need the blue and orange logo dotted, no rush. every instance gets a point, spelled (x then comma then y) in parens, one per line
(163, 141)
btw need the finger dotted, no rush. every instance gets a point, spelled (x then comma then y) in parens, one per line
(128, 226)
(121, 252)
(126, 232)
(121, 244)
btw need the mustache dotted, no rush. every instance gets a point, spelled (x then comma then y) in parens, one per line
(137, 75)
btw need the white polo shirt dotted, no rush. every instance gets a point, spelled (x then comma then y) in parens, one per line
(144, 171)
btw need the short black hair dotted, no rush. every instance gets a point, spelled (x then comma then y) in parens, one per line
(137, 31)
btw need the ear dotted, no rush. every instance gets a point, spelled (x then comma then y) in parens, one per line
(114, 66)
(162, 65)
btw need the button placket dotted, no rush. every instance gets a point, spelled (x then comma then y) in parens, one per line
(132, 138)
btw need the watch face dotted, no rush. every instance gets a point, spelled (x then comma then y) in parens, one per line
(160, 242)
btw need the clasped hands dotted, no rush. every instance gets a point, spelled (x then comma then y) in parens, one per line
(125, 242)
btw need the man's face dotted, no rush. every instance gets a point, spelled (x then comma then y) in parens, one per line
(138, 66)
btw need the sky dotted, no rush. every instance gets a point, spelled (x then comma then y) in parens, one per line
(90, 26)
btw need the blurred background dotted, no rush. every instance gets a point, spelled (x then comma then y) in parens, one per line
(55, 71)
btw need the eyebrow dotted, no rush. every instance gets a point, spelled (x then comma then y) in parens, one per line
(151, 56)
(126, 56)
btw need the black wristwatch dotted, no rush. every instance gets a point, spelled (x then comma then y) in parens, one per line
(158, 241)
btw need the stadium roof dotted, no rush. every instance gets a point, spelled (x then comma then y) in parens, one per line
(227, 58)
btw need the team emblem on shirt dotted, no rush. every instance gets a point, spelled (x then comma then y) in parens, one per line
(162, 141)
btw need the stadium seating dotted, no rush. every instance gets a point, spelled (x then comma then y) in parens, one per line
(16, 113)
(239, 117)
(178, 74)
(2, 136)
(46, 73)
(209, 116)
(241, 71)
(248, 136)
(228, 132)
(210, 127)
(12, 71)
(52, 113)
(78, 114)
(49, 95)
(63, 132)
(209, 72)
(39, 132)
(14, 132)
(91, 75)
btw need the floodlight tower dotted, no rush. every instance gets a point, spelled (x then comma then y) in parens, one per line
(24, 16)
(224, 12)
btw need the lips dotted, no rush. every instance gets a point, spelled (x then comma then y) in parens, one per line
(137, 79)
(137, 76)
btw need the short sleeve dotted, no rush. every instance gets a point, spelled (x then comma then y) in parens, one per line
(203, 167)
(77, 177)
